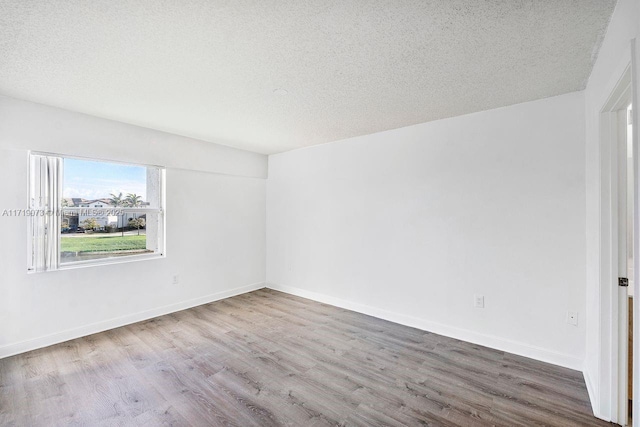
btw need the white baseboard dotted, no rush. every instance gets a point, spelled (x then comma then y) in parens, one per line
(595, 406)
(510, 346)
(93, 328)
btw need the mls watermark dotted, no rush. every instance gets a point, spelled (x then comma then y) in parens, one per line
(49, 212)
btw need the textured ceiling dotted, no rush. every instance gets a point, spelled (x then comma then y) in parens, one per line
(216, 70)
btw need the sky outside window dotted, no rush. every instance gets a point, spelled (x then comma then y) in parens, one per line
(98, 180)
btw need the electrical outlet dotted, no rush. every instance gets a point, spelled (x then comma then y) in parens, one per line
(478, 301)
(176, 279)
(572, 318)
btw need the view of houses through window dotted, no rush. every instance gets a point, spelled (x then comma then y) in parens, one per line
(108, 210)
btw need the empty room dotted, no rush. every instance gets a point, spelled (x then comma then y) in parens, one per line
(319, 213)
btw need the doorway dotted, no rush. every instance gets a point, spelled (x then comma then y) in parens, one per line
(626, 278)
(618, 376)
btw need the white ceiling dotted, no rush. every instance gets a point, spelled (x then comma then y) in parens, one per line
(211, 69)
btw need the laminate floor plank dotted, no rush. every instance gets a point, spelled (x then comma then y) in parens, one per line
(267, 358)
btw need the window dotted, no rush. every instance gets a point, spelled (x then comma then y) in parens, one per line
(85, 212)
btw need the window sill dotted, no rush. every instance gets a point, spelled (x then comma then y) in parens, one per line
(106, 261)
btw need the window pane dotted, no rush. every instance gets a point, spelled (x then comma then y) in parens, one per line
(127, 236)
(88, 183)
(94, 225)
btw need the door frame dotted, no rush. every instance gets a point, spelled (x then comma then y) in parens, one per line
(635, 115)
(611, 400)
(611, 357)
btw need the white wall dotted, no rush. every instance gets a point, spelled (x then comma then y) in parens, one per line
(215, 229)
(409, 224)
(613, 57)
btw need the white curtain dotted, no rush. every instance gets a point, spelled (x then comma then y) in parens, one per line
(45, 209)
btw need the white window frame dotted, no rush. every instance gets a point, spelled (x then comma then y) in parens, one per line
(56, 206)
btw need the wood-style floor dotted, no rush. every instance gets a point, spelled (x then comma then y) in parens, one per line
(268, 358)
